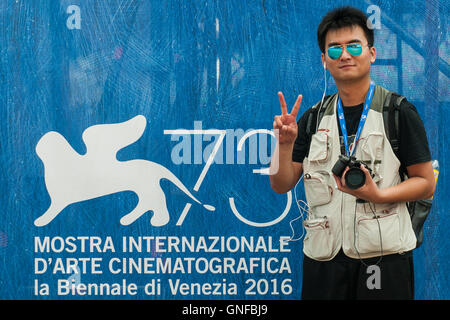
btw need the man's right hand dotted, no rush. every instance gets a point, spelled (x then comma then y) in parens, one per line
(285, 125)
(284, 173)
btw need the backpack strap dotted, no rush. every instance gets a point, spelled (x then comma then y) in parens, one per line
(391, 116)
(312, 117)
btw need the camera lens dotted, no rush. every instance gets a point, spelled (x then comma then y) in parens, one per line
(355, 178)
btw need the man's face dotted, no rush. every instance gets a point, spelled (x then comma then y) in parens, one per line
(348, 68)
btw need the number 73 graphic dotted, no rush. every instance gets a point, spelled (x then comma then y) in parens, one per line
(217, 144)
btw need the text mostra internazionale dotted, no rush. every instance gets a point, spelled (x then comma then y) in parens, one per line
(159, 259)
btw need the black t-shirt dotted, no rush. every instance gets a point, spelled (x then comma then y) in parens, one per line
(413, 143)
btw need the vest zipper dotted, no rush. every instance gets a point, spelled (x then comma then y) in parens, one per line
(376, 217)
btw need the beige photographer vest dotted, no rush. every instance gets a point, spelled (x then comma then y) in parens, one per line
(335, 220)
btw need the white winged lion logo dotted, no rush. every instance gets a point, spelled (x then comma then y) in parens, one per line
(71, 177)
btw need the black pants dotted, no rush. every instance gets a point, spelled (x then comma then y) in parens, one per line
(343, 278)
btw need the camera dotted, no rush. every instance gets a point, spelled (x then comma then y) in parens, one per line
(355, 177)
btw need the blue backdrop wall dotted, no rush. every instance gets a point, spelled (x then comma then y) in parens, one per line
(200, 75)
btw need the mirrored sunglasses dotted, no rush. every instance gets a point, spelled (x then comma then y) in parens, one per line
(355, 49)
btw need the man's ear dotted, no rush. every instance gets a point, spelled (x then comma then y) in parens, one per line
(373, 54)
(324, 63)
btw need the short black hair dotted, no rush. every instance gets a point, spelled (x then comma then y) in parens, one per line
(340, 18)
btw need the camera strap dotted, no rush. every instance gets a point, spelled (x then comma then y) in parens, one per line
(362, 120)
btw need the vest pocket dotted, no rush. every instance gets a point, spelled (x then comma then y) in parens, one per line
(319, 148)
(370, 228)
(318, 242)
(317, 190)
(372, 152)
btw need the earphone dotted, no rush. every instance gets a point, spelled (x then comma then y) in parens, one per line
(324, 92)
(302, 209)
(305, 208)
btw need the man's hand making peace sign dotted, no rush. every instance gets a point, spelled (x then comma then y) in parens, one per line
(285, 126)
(284, 173)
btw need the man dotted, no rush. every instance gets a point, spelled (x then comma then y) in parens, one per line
(348, 229)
